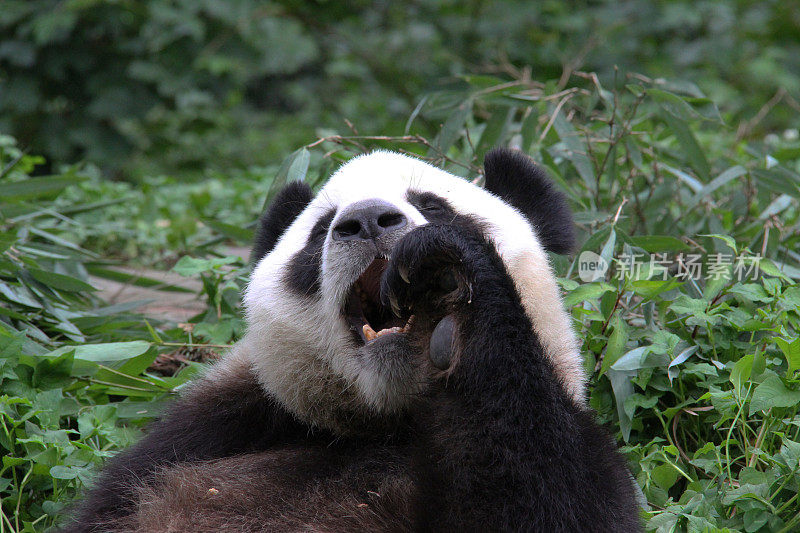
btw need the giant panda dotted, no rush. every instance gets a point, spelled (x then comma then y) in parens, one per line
(407, 366)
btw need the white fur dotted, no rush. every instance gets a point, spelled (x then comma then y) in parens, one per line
(301, 348)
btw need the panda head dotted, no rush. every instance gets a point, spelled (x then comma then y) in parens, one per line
(319, 339)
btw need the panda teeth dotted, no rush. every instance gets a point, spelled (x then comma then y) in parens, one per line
(365, 311)
(370, 334)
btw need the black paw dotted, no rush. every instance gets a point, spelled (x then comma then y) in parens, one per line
(430, 271)
(442, 345)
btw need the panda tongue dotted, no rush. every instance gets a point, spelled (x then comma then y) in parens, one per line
(370, 280)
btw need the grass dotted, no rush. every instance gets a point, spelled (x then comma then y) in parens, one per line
(695, 375)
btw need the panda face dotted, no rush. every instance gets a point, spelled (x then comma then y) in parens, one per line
(319, 337)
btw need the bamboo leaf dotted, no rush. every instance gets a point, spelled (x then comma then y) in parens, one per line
(38, 187)
(695, 155)
(730, 174)
(60, 281)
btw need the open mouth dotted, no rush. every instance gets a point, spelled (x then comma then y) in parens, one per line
(368, 318)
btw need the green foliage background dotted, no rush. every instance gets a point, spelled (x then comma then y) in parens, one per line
(672, 126)
(183, 86)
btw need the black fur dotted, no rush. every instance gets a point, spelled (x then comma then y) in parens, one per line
(432, 206)
(285, 207)
(514, 177)
(501, 445)
(305, 268)
(231, 417)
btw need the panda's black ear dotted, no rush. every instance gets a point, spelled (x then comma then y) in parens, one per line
(285, 207)
(514, 177)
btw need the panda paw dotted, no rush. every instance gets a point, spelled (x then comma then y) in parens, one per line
(430, 272)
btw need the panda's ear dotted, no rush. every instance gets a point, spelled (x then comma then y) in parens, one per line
(285, 207)
(514, 177)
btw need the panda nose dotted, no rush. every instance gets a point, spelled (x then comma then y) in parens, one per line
(368, 220)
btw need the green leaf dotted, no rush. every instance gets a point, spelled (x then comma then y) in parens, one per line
(779, 270)
(727, 239)
(750, 292)
(529, 128)
(55, 239)
(299, 168)
(453, 126)
(191, 266)
(659, 243)
(495, 131)
(622, 386)
(636, 401)
(692, 182)
(755, 519)
(137, 280)
(791, 350)
(150, 409)
(156, 338)
(730, 174)
(778, 179)
(694, 154)
(589, 291)
(791, 298)
(607, 252)
(60, 281)
(652, 288)
(672, 368)
(616, 342)
(693, 306)
(741, 372)
(713, 287)
(7, 238)
(39, 187)
(19, 294)
(675, 105)
(664, 476)
(103, 352)
(773, 393)
(633, 360)
(293, 168)
(790, 451)
(53, 373)
(597, 238)
(63, 472)
(777, 206)
(13, 461)
(236, 233)
(576, 151)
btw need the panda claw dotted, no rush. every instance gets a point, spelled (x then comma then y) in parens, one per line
(403, 271)
(394, 304)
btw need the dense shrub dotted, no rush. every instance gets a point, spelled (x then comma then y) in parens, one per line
(73, 385)
(182, 86)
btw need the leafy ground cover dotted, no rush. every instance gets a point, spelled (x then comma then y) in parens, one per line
(696, 375)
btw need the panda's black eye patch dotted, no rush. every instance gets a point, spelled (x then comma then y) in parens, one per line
(305, 267)
(320, 229)
(432, 206)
